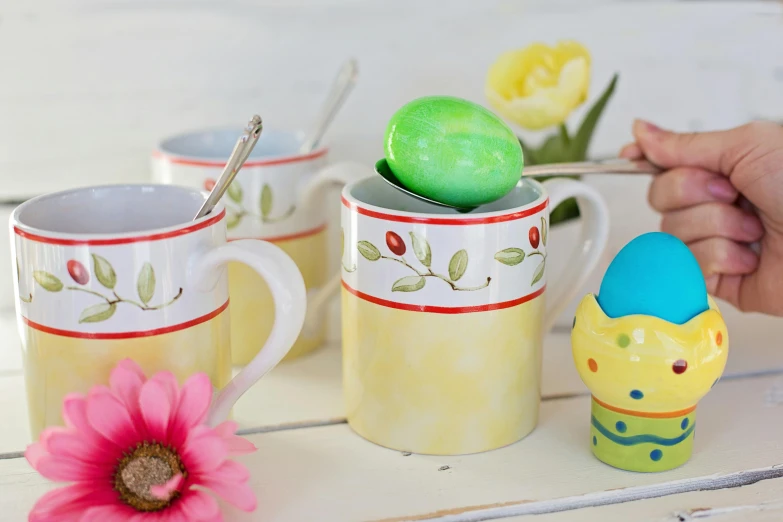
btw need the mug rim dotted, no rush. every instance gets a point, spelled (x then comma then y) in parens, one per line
(195, 160)
(510, 214)
(21, 229)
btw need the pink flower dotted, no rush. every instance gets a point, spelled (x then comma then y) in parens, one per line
(138, 451)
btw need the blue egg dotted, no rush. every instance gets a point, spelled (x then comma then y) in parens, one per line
(655, 274)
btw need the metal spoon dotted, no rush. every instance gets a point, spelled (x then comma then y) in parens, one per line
(239, 155)
(342, 85)
(613, 166)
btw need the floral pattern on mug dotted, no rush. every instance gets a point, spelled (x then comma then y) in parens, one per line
(458, 264)
(236, 211)
(105, 274)
(513, 256)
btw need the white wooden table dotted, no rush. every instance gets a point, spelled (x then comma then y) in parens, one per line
(311, 466)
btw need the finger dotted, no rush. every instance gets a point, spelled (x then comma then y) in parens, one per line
(631, 151)
(718, 255)
(713, 220)
(687, 186)
(718, 151)
(726, 287)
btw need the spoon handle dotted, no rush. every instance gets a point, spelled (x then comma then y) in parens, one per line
(612, 166)
(342, 85)
(239, 155)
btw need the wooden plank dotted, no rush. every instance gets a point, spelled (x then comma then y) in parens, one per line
(760, 502)
(334, 474)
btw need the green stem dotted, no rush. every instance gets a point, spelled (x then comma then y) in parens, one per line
(349, 270)
(535, 253)
(564, 137)
(118, 299)
(445, 279)
(279, 218)
(28, 299)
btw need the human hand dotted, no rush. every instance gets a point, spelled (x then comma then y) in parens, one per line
(722, 194)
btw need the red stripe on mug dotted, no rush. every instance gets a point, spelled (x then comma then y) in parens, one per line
(295, 235)
(121, 240)
(125, 335)
(257, 163)
(446, 221)
(443, 309)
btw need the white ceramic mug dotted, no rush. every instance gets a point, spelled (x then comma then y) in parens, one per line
(105, 273)
(444, 313)
(277, 197)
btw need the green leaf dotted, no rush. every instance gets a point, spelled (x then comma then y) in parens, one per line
(539, 273)
(47, 281)
(553, 150)
(146, 283)
(581, 140)
(104, 272)
(458, 265)
(511, 256)
(565, 211)
(422, 249)
(409, 284)
(232, 219)
(368, 251)
(266, 201)
(97, 313)
(235, 191)
(543, 230)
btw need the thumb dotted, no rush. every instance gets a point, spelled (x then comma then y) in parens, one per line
(713, 151)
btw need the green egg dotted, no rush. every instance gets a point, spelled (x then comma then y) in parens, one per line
(452, 151)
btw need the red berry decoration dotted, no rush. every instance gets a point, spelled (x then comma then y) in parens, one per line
(209, 184)
(534, 237)
(395, 243)
(78, 272)
(680, 366)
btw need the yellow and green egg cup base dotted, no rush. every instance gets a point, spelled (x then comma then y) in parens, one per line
(636, 443)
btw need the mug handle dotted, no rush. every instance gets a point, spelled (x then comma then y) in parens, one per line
(336, 175)
(591, 244)
(288, 291)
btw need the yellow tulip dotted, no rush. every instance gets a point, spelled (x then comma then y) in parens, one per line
(538, 86)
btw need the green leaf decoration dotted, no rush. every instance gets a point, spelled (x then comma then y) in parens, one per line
(266, 201)
(104, 272)
(368, 251)
(422, 250)
(232, 219)
(458, 265)
(581, 140)
(18, 273)
(409, 284)
(539, 273)
(97, 313)
(235, 192)
(511, 256)
(543, 230)
(146, 283)
(47, 281)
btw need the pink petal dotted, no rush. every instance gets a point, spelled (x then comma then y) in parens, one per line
(226, 428)
(230, 471)
(204, 451)
(34, 453)
(64, 469)
(75, 414)
(125, 381)
(68, 503)
(193, 403)
(156, 409)
(197, 505)
(169, 383)
(164, 491)
(236, 445)
(108, 513)
(238, 495)
(72, 445)
(110, 418)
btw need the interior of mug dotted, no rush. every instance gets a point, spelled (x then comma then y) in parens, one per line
(111, 209)
(219, 143)
(376, 192)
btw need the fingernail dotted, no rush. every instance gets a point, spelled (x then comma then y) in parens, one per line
(722, 189)
(646, 126)
(752, 226)
(630, 151)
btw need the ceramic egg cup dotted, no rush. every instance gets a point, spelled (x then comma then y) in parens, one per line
(646, 376)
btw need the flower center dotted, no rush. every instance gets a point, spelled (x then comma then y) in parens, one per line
(149, 464)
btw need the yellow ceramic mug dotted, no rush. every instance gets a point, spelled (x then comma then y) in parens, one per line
(444, 314)
(105, 273)
(277, 197)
